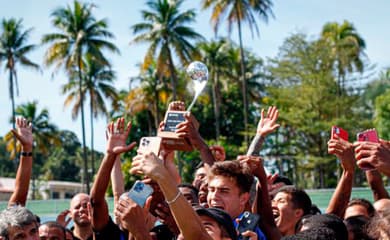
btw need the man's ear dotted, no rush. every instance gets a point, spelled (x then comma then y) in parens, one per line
(244, 198)
(298, 213)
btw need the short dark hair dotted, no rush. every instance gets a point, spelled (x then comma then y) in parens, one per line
(329, 221)
(234, 171)
(283, 179)
(190, 186)
(313, 233)
(53, 224)
(358, 225)
(299, 198)
(363, 202)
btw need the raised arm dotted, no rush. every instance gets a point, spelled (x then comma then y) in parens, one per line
(266, 125)
(23, 134)
(264, 207)
(188, 130)
(182, 211)
(117, 183)
(340, 198)
(374, 180)
(116, 144)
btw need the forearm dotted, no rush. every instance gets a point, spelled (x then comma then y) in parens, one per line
(205, 154)
(99, 206)
(22, 181)
(340, 198)
(264, 207)
(117, 182)
(374, 179)
(182, 211)
(256, 144)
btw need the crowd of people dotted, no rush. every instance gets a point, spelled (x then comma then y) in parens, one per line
(228, 199)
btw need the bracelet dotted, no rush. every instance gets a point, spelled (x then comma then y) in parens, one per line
(26, 154)
(174, 199)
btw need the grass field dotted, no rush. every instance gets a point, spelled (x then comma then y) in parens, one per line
(48, 209)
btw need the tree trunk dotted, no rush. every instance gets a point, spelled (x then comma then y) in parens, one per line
(12, 96)
(244, 85)
(85, 160)
(156, 103)
(173, 75)
(216, 104)
(92, 138)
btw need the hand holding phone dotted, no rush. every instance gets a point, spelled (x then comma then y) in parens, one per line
(139, 192)
(247, 222)
(369, 135)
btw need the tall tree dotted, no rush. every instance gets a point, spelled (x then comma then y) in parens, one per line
(214, 56)
(239, 11)
(166, 28)
(78, 33)
(97, 83)
(13, 50)
(347, 49)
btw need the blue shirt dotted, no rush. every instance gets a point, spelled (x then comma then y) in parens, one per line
(260, 234)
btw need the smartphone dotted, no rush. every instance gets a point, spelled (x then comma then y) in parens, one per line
(339, 132)
(150, 144)
(249, 221)
(369, 135)
(139, 192)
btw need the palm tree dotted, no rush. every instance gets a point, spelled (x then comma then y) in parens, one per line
(79, 33)
(214, 56)
(238, 11)
(347, 49)
(45, 135)
(13, 50)
(165, 28)
(98, 85)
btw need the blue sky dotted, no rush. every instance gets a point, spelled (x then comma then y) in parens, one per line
(370, 18)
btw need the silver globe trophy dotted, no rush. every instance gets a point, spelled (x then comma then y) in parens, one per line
(198, 73)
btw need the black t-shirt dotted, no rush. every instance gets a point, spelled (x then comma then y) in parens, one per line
(111, 231)
(76, 238)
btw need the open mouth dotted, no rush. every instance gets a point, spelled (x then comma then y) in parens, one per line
(276, 215)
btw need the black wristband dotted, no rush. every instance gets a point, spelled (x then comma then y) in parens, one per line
(26, 154)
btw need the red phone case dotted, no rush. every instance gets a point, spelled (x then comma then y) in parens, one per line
(339, 132)
(369, 135)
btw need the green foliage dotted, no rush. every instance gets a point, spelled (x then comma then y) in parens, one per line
(382, 114)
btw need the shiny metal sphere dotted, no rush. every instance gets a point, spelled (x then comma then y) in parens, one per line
(198, 71)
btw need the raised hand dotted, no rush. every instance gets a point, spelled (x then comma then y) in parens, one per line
(344, 151)
(61, 218)
(254, 163)
(373, 154)
(23, 133)
(117, 134)
(267, 124)
(218, 153)
(187, 129)
(177, 106)
(148, 164)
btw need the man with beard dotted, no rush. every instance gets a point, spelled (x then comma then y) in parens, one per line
(82, 228)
